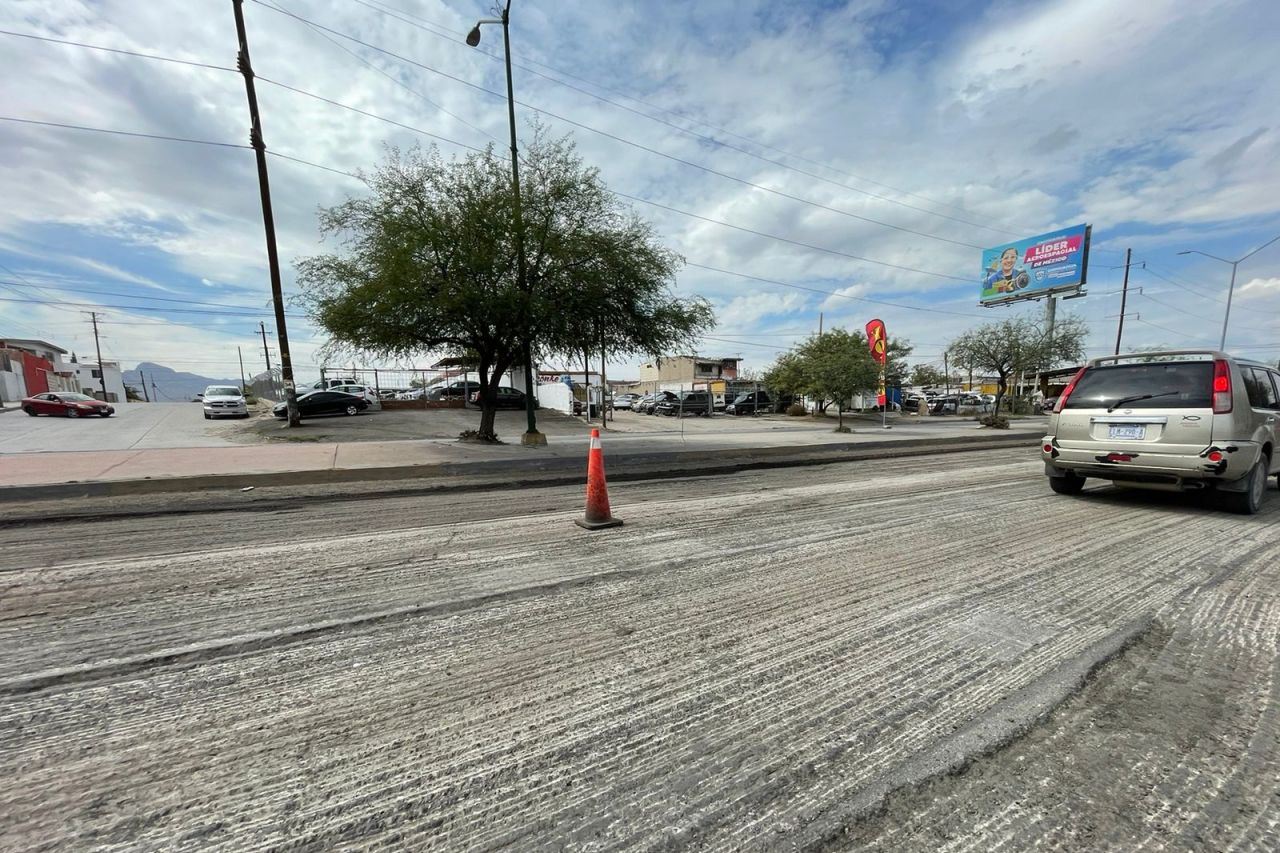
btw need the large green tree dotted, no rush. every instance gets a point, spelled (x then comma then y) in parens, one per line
(427, 264)
(1018, 345)
(831, 368)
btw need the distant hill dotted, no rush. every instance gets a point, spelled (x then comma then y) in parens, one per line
(172, 385)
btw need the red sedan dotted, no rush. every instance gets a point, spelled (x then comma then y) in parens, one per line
(66, 404)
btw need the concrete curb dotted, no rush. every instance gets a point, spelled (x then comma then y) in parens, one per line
(530, 472)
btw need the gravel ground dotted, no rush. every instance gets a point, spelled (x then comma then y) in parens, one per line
(746, 664)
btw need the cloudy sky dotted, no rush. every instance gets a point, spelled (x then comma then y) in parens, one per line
(848, 160)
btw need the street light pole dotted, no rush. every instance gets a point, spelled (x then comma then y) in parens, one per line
(531, 438)
(1222, 344)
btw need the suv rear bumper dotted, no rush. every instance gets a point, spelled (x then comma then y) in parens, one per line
(1143, 467)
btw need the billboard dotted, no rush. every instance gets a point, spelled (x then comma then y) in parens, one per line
(1036, 266)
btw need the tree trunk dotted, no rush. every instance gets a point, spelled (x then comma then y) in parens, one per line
(1002, 385)
(488, 402)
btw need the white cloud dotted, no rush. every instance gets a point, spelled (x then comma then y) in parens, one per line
(1014, 122)
(1260, 287)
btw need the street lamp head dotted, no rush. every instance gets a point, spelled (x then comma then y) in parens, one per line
(1186, 252)
(473, 37)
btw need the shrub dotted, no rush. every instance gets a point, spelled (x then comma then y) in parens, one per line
(994, 421)
(796, 410)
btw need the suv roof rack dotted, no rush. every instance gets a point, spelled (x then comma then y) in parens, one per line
(1154, 354)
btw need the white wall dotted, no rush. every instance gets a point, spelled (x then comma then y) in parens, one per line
(89, 384)
(12, 386)
(555, 395)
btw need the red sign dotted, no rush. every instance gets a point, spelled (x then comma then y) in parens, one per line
(878, 341)
(1053, 251)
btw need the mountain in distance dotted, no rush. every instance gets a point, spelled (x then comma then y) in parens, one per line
(171, 385)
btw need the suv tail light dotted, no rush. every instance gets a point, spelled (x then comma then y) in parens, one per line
(1221, 387)
(1071, 386)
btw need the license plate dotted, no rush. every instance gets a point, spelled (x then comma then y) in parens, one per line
(1131, 433)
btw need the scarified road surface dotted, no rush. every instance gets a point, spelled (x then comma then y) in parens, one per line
(752, 662)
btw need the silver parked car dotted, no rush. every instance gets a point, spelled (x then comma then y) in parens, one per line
(1187, 419)
(224, 401)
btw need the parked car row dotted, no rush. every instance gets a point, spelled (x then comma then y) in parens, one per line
(948, 404)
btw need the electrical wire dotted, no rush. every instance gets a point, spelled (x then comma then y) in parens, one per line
(410, 127)
(134, 53)
(631, 143)
(866, 299)
(1176, 284)
(726, 225)
(96, 305)
(450, 37)
(122, 132)
(788, 240)
(67, 289)
(1170, 331)
(396, 80)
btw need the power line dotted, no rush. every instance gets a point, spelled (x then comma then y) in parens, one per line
(1170, 331)
(1199, 293)
(135, 53)
(65, 288)
(799, 243)
(831, 292)
(726, 225)
(145, 308)
(637, 145)
(400, 83)
(296, 90)
(122, 132)
(450, 37)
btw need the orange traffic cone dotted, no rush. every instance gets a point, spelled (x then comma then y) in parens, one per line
(598, 515)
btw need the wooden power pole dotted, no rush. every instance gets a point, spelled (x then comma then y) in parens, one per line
(268, 220)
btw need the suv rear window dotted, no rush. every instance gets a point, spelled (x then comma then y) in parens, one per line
(1191, 384)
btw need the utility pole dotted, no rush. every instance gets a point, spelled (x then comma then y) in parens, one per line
(604, 385)
(531, 438)
(241, 355)
(268, 220)
(155, 392)
(1124, 297)
(102, 373)
(946, 373)
(266, 353)
(142, 380)
(819, 324)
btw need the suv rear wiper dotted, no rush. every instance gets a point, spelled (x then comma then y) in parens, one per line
(1118, 403)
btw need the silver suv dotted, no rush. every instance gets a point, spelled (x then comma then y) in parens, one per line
(1188, 419)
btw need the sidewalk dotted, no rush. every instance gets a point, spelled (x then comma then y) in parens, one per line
(176, 469)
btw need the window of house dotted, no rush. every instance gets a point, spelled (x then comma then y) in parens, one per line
(97, 374)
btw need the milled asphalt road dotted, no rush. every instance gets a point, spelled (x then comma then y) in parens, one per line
(751, 662)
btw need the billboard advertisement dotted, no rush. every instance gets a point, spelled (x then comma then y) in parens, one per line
(1029, 268)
